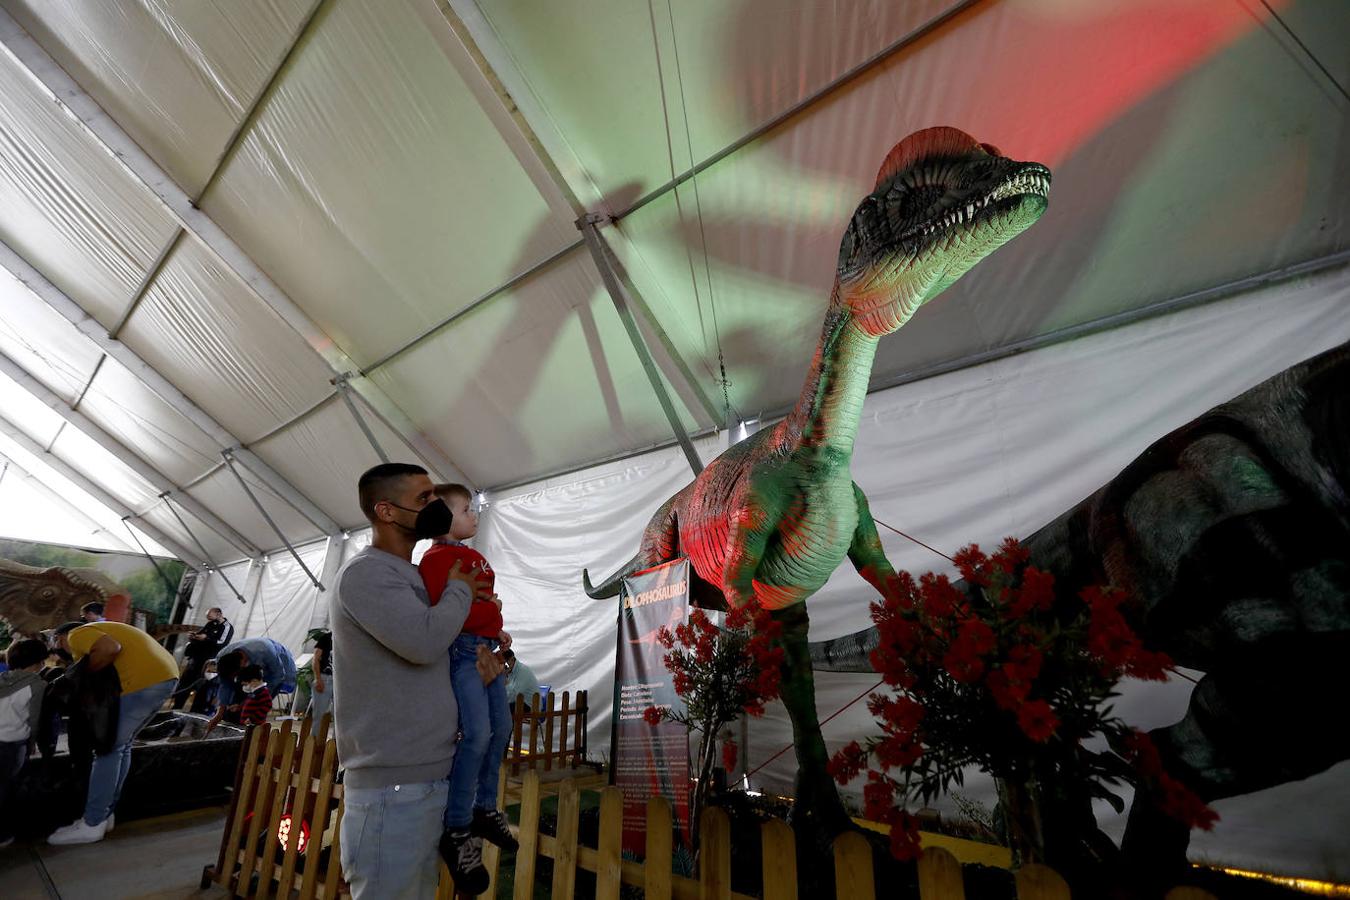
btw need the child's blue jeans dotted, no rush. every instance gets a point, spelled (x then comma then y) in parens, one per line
(485, 721)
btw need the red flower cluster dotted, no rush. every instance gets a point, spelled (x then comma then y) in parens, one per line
(988, 674)
(653, 715)
(1173, 797)
(729, 755)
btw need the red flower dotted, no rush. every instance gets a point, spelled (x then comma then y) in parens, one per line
(905, 837)
(970, 562)
(1037, 720)
(653, 715)
(729, 752)
(940, 596)
(1037, 593)
(962, 663)
(845, 765)
(1008, 692)
(978, 636)
(879, 798)
(897, 751)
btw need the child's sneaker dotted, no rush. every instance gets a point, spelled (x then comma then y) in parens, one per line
(492, 825)
(463, 855)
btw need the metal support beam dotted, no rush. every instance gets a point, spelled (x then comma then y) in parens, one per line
(168, 503)
(345, 393)
(230, 464)
(66, 93)
(95, 432)
(87, 325)
(595, 243)
(173, 588)
(84, 483)
(14, 470)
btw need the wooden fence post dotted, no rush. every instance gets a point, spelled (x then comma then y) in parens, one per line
(853, 876)
(609, 874)
(714, 855)
(327, 772)
(528, 854)
(565, 844)
(262, 797)
(940, 876)
(660, 841)
(284, 773)
(299, 811)
(778, 851)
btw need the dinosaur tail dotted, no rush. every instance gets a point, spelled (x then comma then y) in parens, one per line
(849, 653)
(611, 586)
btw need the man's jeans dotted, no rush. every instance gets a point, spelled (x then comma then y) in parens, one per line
(321, 701)
(485, 722)
(389, 839)
(109, 772)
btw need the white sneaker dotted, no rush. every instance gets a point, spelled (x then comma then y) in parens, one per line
(79, 832)
(112, 821)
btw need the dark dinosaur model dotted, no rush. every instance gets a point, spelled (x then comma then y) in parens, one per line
(770, 519)
(1232, 535)
(33, 599)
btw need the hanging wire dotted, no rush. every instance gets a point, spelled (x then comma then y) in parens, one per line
(173, 591)
(698, 212)
(1308, 51)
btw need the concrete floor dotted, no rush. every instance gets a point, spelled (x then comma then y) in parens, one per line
(149, 859)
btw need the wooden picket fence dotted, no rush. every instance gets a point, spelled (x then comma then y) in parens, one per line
(556, 748)
(282, 772)
(290, 772)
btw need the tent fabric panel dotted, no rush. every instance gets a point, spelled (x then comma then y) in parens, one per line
(37, 504)
(218, 549)
(42, 342)
(374, 189)
(221, 493)
(213, 590)
(542, 377)
(955, 459)
(100, 466)
(286, 598)
(207, 332)
(67, 206)
(1132, 220)
(324, 454)
(128, 410)
(179, 78)
(28, 413)
(693, 75)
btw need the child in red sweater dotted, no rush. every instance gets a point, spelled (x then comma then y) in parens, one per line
(471, 813)
(259, 699)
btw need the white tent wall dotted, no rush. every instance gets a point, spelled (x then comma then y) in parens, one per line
(954, 459)
(213, 589)
(285, 599)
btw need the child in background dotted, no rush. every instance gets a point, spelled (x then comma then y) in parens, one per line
(21, 691)
(471, 813)
(258, 703)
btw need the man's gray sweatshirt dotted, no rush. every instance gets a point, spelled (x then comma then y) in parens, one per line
(395, 713)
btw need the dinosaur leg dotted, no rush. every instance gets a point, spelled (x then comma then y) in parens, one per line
(817, 807)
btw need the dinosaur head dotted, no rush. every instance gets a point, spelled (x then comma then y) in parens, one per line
(943, 202)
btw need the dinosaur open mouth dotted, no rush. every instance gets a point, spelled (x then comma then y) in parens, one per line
(1032, 180)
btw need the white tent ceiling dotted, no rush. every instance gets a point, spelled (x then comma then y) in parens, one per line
(359, 183)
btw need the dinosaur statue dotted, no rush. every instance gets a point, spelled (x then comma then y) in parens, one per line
(1232, 535)
(770, 519)
(33, 599)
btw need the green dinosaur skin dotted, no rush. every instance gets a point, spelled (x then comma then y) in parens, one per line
(770, 519)
(1232, 536)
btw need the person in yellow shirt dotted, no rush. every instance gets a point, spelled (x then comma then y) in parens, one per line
(148, 674)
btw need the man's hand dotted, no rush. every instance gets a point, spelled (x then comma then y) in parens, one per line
(496, 601)
(318, 683)
(215, 719)
(505, 640)
(487, 664)
(477, 582)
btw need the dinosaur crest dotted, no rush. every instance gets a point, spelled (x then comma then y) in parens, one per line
(33, 599)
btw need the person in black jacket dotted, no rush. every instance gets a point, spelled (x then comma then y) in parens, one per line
(204, 645)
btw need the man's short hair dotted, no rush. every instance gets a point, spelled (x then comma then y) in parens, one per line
(447, 491)
(380, 482)
(94, 607)
(67, 627)
(25, 653)
(250, 673)
(229, 665)
(215, 609)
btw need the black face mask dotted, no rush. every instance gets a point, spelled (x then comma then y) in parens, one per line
(433, 520)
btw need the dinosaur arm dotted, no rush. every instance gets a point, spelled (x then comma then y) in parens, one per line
(755, 516)
(865, 551)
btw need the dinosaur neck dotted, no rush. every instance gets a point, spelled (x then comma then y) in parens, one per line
(830, 406)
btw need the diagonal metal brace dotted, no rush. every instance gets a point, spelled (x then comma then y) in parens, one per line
(345, 392)
(587, 225)
(230, 464)
(169, 504)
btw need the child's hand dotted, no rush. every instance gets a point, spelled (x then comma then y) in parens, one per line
(477, 582)
(488, 665)
(505, 640)
(497, 601)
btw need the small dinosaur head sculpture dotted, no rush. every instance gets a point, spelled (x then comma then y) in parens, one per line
(943, 201)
